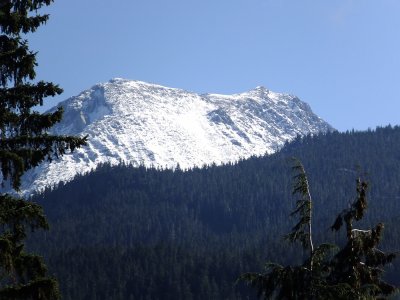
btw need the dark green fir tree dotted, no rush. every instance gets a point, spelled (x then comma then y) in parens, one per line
(24, 143)
(354, 271)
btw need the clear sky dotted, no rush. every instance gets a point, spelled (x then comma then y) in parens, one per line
(340, 56)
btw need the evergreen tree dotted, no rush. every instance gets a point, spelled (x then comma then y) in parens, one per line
(358, 267)
(24, 143)
(354, 272)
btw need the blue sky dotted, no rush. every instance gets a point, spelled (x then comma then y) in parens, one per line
(340, 56)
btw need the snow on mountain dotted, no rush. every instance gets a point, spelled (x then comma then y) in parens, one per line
(147, 124)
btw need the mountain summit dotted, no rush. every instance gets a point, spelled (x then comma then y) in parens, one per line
(152, 125)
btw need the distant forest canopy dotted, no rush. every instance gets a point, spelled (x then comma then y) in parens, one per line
(136, 233)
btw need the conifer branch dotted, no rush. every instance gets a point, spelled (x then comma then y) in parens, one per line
(302, 231)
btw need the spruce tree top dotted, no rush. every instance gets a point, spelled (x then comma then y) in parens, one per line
(24, 138)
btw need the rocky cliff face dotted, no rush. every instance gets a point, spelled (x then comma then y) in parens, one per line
(152, 125)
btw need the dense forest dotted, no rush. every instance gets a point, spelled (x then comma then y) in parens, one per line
(138, 233)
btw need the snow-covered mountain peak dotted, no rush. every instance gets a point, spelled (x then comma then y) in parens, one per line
(260, 89)
(152, 125)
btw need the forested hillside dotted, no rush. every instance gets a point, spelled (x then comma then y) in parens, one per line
(137, 233)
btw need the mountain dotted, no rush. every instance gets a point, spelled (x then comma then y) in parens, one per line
(146, 124)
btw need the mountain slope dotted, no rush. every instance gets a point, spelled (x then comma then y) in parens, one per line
(136, 233)
(152, 125)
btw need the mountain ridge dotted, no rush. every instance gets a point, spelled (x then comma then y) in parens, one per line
(148, 124)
